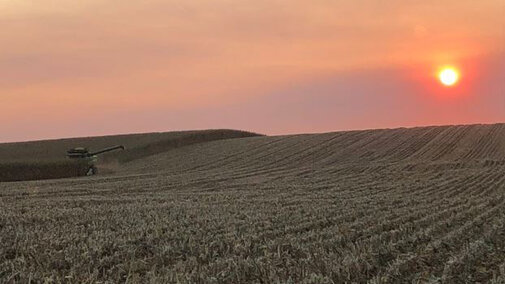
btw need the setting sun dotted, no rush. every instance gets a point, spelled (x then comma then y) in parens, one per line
(449, 76)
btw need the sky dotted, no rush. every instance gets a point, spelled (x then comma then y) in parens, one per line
(73, 68)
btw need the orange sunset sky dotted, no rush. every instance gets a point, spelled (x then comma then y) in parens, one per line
(95, 67)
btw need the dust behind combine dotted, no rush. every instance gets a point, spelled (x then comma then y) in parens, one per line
(400, 205)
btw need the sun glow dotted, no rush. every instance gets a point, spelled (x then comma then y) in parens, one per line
(448, 76)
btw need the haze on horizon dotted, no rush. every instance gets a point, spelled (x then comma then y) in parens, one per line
(81, 68)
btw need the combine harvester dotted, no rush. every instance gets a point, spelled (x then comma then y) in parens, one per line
(91, 157)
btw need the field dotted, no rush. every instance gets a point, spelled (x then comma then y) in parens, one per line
(380, 206)
(30, 170)
(38, 160)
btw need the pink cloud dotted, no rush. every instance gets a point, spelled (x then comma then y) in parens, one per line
(210, 62)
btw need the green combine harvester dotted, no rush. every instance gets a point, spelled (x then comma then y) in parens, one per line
(91, 157)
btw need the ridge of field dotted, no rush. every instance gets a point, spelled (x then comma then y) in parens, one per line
(436, 147)
(47, 160)
(412, 205)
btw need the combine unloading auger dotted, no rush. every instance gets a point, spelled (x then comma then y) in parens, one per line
(84, 153)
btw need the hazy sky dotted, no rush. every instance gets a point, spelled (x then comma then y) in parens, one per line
(94, 67)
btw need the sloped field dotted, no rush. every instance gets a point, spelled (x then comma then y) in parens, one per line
(47, 159)
(379, 206)
(141, 143)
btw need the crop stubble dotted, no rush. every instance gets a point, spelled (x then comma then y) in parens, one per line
(401, 205)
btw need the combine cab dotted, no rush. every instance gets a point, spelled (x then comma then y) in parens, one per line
(84, 153)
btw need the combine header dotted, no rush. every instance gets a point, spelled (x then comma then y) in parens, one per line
(91, 157)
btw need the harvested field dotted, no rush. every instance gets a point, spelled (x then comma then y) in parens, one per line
(380, 206)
